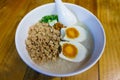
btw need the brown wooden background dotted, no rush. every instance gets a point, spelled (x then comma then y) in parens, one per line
(13, 68)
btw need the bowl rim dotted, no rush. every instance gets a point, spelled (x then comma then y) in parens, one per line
(66, 74)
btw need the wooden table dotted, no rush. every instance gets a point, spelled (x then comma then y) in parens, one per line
(13, 68)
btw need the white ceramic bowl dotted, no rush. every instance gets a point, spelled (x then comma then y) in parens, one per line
(84, 15)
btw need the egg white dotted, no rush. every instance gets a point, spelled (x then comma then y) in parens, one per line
(81, 55)
(80, 38)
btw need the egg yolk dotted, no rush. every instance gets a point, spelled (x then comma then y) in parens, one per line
(72, 33)
(69, 50)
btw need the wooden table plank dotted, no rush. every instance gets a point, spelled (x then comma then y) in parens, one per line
(109, 14)
(11, 66)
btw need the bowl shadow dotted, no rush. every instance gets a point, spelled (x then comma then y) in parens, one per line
(30, 74)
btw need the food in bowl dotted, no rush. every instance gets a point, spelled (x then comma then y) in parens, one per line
(75, 33)
(73, 51)
(57, 44)
(42, 42)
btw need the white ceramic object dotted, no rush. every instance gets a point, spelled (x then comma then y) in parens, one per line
(82, 14)
(65, 16)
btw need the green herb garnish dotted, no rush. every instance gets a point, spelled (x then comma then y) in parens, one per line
(49, 18)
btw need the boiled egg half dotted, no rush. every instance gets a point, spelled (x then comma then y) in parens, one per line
(75, 33)
(73, 51)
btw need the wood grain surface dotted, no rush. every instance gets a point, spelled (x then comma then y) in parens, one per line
(13, 68)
